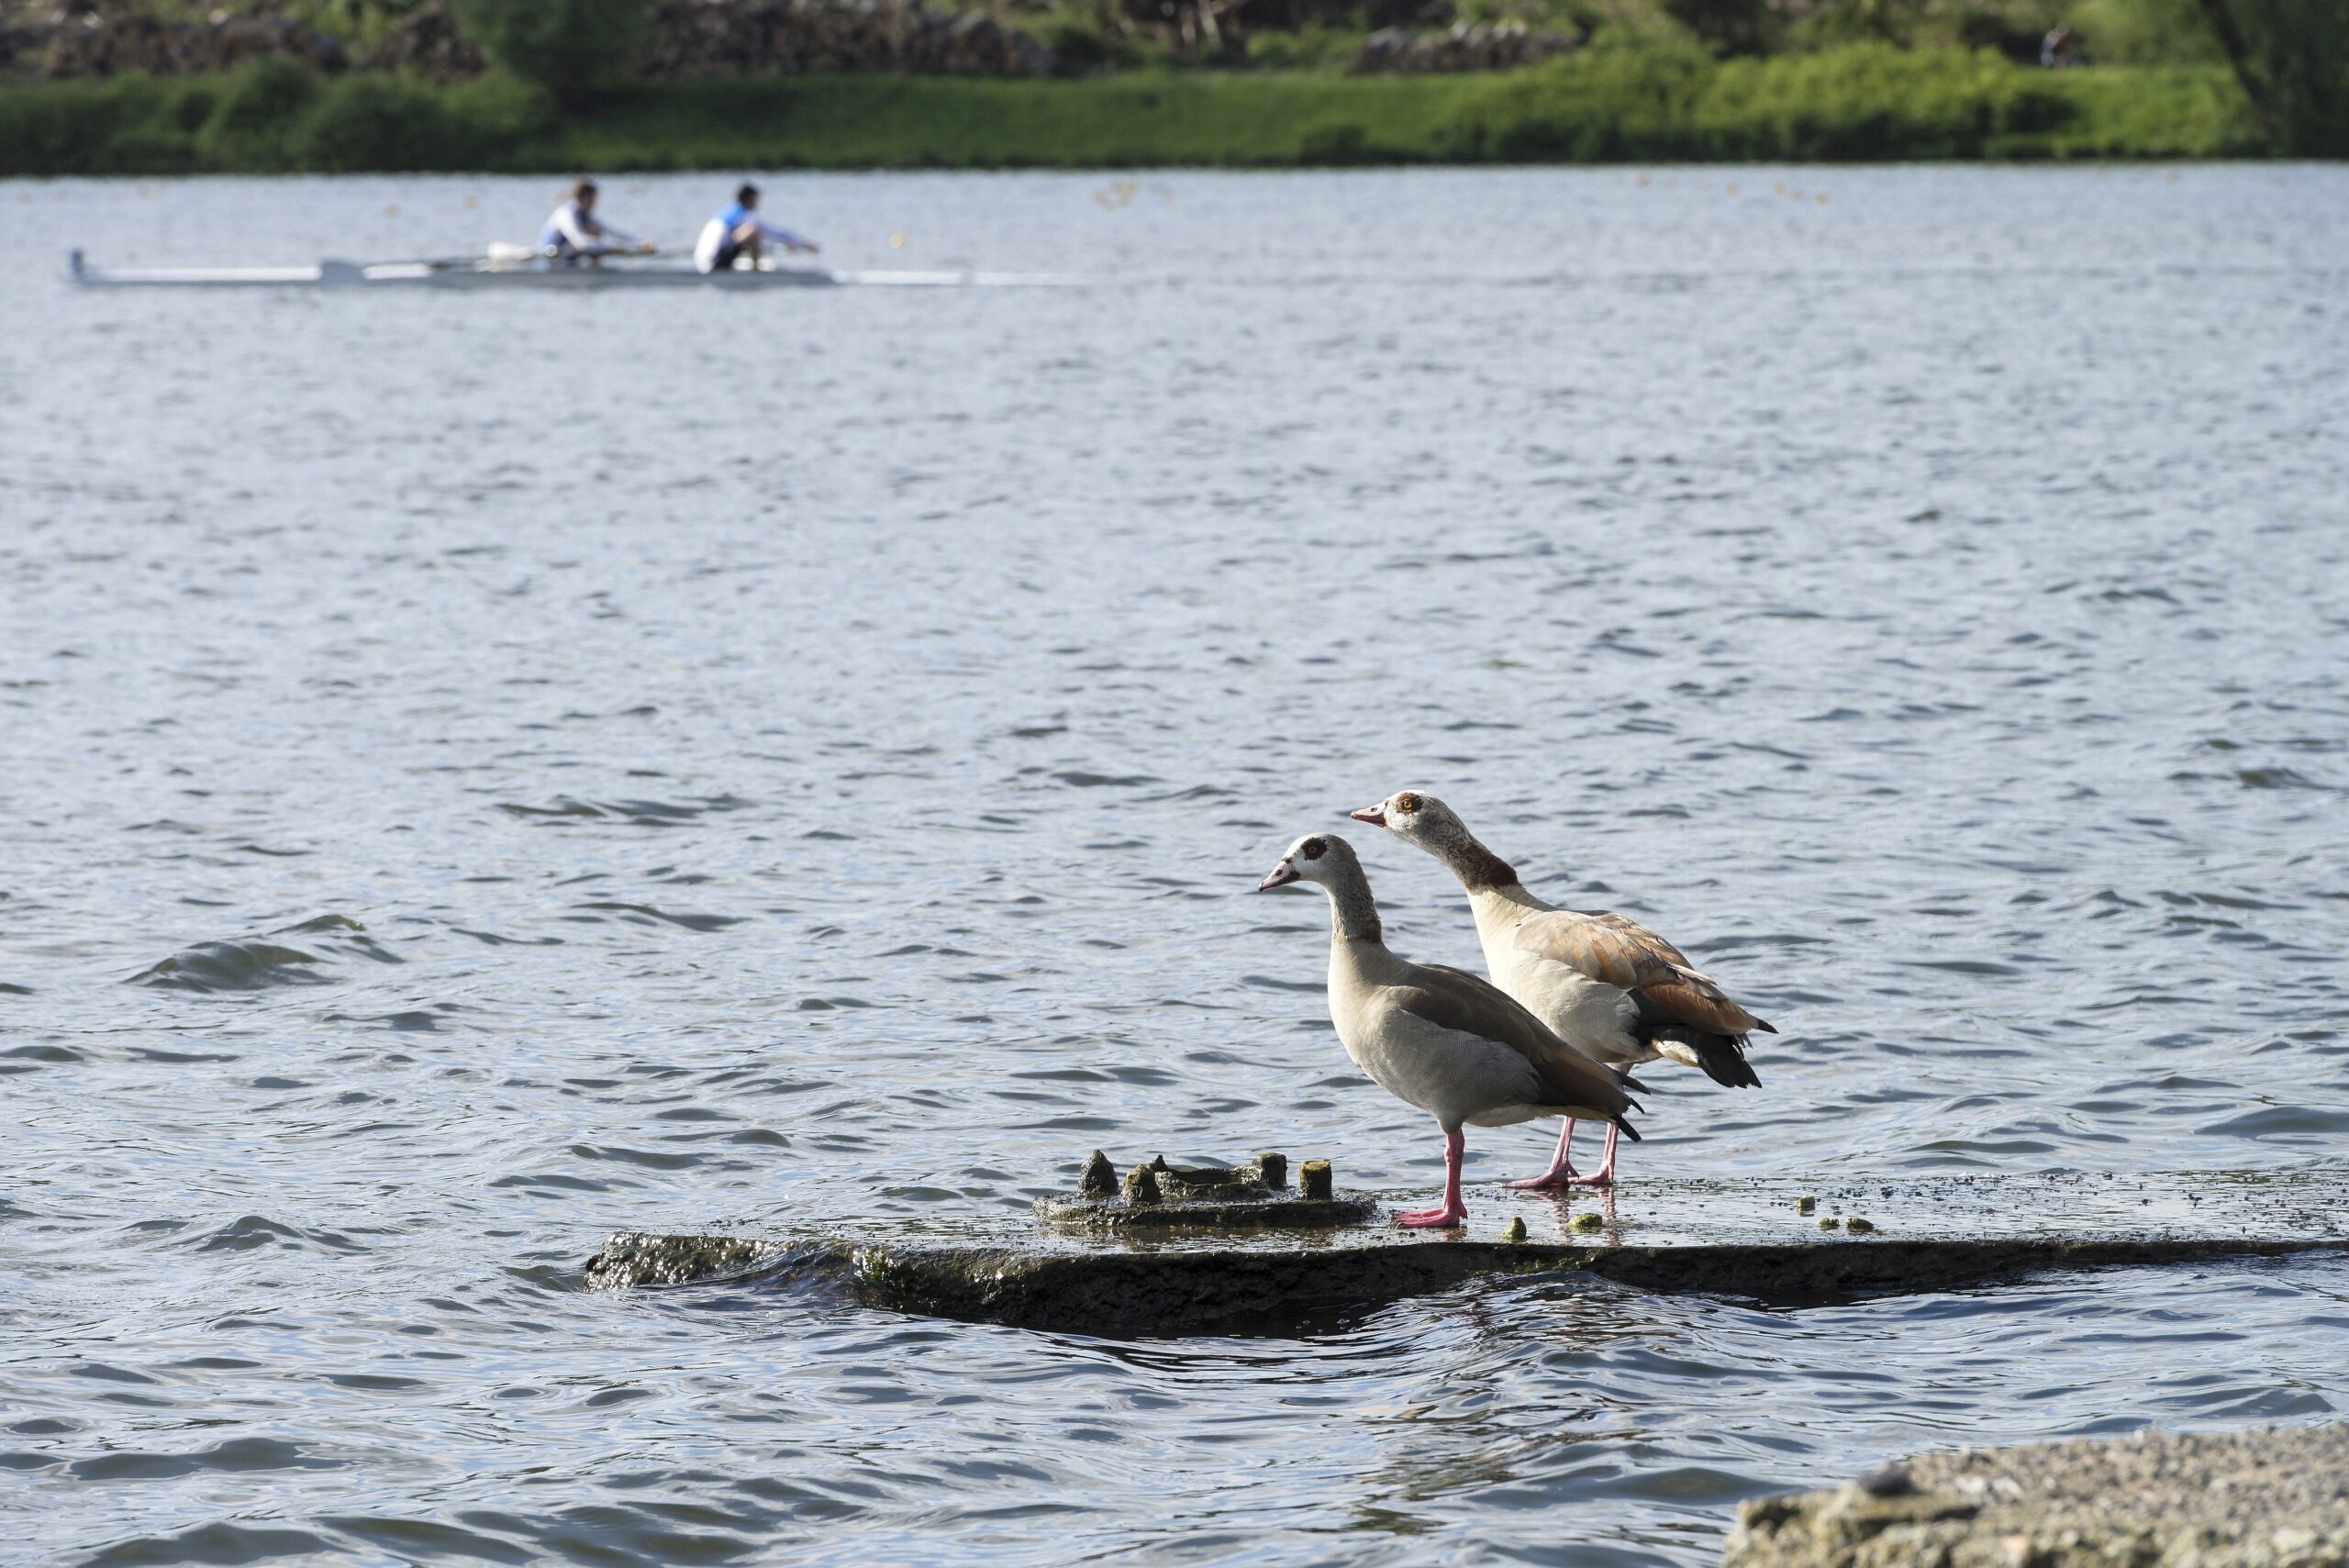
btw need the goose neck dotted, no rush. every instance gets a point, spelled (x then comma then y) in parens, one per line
(1354, 914)
(1478, 868)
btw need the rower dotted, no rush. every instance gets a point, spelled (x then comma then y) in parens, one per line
(575, 234)
(738, 230)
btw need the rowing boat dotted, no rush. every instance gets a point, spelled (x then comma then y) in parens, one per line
(500, 269)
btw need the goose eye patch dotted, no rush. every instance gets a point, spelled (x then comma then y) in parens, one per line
(1407, 801)
(1312, 849)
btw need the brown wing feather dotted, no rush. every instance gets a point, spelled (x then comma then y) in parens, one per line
(1676, 1001)
(1454, 999)
(1619, 950)
(1599, 948)
(1643, 936)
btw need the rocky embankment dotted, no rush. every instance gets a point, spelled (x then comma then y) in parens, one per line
(792, 37)
(1479, 46)
(2274, 1498)
(689, 39)
(699, 39)
(88, 44)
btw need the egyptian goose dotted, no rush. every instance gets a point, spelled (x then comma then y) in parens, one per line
(1607, 985)
(1441, 1039)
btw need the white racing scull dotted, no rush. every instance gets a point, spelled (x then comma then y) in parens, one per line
(518, 267)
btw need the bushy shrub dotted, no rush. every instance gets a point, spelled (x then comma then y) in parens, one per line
(56, 127)
(1873, 101)
(1079, 43)
(1733, 26)
(571, 47)
(1341, 145)
(256, 117)
(502, 113)
(1613, 102)
(192, 108)
(2146, 32)
(376, 122)
(2292, 58)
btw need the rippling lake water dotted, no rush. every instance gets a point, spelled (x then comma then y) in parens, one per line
(482, 772)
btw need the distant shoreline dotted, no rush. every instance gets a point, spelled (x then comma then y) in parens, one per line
(1856, 103)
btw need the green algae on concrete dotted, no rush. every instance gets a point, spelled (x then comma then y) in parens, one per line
(1313, 1181)
(2272, 1498)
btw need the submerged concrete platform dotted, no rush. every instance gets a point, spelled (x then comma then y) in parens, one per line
(1754, 1240)
(2277, 1497)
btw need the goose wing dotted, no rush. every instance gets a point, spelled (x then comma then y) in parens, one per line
(1616, 950)
(1456, 999)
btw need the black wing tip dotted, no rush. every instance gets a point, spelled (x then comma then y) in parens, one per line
(1626, 1129)
(1736, 1074)
(1765, 1025)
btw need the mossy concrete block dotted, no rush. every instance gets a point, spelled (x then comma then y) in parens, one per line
(1159, 1196)
(1142, 1188)
(636, 1257)
(1314, 1181)
(1256, 1272)
(2272, 1498)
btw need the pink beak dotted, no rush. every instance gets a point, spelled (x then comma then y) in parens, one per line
(1373, 815)
(1280, 875)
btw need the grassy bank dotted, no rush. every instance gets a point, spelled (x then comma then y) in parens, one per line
(1855, 102)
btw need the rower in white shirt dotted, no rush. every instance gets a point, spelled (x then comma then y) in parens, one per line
(575, 234)
(738, 231)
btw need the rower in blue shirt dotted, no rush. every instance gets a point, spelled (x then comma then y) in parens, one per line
(741, 231)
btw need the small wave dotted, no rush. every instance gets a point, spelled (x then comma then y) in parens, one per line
(237, 1455)
(1079, 779)
(564, 809)
(648, 914)
(251, 1231)
(233, 966)
(25, 1058)
(2257, 778)
(261, 965)
(222, 1543)
(2282, 1121)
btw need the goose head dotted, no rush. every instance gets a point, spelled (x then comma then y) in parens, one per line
(1317, 857)
(1417, 818)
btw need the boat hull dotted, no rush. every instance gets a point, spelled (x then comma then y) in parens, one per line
(455, 275)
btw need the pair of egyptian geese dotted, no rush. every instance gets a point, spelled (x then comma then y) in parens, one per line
(1574, 1001)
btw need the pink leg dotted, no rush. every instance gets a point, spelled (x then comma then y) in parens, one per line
(1605, 1176)
(1562, 1170)
(1453, 1211)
